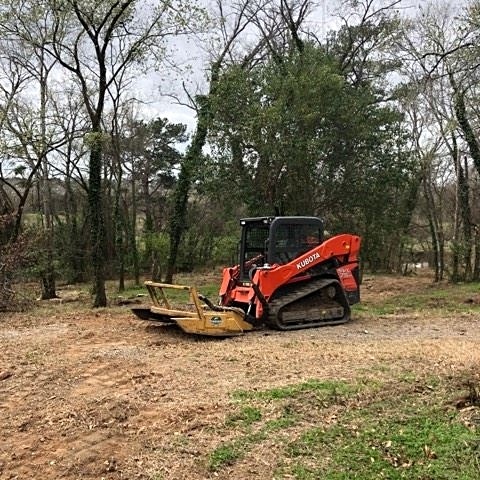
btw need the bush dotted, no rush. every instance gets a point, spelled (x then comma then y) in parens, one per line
(155, 249)
(14, 258)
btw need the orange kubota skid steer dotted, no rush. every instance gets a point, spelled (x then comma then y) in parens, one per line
(288, 277)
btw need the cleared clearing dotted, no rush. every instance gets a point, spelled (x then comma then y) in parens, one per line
(99, 394)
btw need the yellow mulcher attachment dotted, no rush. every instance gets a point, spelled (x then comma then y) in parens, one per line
(199, 316)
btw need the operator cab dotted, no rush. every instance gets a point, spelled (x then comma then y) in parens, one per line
(276, 240)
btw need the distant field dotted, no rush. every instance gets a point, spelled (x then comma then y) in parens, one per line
(394, 394)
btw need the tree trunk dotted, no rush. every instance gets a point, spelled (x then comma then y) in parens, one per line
(75, 255)
(476, 263)
(435, 248)
(185, 178)
(119, 231)
(407, 213)
(133, 233)
(108, 223)
(188, 169)
(95, 201)
(466, 219)
(48, 289)
(148, 228)
(18, 216)
(462, 218)
(435, 229)
(464, 122)
(6, 213)
(455, 275)
(456, 236)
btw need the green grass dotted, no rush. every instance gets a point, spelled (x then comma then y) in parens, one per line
(229, 452)
(283, 422)
(392, 430)
(325, 388)
(247, 416)
(439, 298)
(253, 426)
(424, 443)
(225, 454)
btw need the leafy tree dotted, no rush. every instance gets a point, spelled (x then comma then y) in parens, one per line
(310, 142)
(151, 157)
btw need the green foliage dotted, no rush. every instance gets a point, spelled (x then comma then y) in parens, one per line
(96, 140)
(151, 147)
(210, 241)
(155, 253)
(16, 260)
(297, 137)
(224, 455)
(325, 389)
(285, 421)
(224, 251)
(247, 416)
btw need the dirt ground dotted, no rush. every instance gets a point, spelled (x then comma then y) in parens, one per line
(99, 394)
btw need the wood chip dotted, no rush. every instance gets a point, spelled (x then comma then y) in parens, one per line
(5, 374)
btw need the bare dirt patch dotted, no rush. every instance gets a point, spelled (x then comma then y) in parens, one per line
(93, 395)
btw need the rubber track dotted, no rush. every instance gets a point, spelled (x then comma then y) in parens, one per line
(276, 305)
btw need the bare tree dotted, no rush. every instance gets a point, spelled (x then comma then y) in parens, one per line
(232, 26)
(437, 48)
(96, 43)
(14, 78)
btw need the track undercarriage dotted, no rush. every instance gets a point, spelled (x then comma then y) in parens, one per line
(314, 304)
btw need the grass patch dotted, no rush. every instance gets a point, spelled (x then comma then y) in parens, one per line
(444, 298)
(130, 291)
(327, 388)
(229, 452)
(269, 413)
(401, 438)
(247, 416)
(225, 454)
(359, 430)
(287, 418)
(426, 444)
